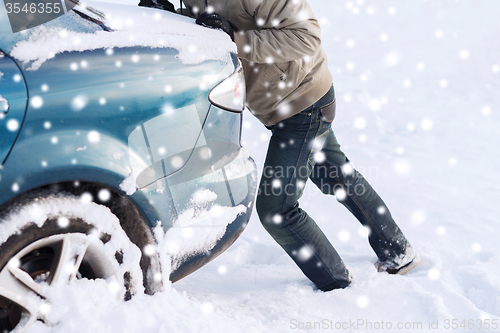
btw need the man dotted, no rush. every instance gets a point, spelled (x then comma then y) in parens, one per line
(289, 89)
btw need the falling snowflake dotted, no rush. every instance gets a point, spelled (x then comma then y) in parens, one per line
(392, 59)
(476, 247)
(93, 137)
(402, 167)
(177, 162)
(452, 161)
(464, 54)
(162, 150)
(36, 102)
(426, 124)
(360, 123)
(113, 286)
(347, 169)
(44, 308)
(79, 102)
(439, 33)
(344, 236)
(222, 270)
(305, 253)
(104, 195)
(440, 230)
(54, 140)
(486, 110)
(149, 250)
(364, 231)
(319, 157)
(443, 83)
(433, 274)
(207, 308)
(12, 125)
(381, 210)
(384, 37)
(418, 216)
(63, 222)
(362, 301)
(277, 218)
(340, 194)
(86, 198)
(375, 104)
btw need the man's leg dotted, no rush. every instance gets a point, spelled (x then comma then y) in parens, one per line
(287, 167)
(355, 193)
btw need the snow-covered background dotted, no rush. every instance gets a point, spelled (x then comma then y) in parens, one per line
(417, 85)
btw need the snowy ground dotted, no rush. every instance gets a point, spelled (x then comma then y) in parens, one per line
(418, 116)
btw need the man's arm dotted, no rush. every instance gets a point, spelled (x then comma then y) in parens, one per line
(289, 31)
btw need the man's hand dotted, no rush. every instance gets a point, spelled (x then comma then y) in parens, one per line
(160, 4)
(216, 21)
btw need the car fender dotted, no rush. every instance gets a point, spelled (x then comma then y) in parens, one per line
(63, 156)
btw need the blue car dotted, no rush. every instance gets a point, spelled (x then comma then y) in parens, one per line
(120, 154)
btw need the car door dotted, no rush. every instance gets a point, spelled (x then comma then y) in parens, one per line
(13, 100)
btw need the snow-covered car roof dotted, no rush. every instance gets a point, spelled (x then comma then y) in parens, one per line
(123, 26)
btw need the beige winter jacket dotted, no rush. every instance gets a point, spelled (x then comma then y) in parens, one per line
(280, 47)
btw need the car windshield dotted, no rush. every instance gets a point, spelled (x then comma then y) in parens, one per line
(77, 22)
(123, 26)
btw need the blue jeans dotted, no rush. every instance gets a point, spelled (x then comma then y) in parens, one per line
(304, 147)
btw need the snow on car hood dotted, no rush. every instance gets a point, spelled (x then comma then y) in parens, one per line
(131, 26)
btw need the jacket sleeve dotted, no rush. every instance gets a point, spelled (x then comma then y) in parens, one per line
(286, 30)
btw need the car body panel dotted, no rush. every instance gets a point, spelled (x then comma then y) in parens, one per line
(14, 97)
(97, 112)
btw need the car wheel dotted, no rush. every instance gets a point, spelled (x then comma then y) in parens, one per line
(52, 241)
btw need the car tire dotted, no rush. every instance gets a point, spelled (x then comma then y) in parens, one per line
(53, 240)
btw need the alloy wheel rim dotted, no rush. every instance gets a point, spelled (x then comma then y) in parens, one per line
(46, 263)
